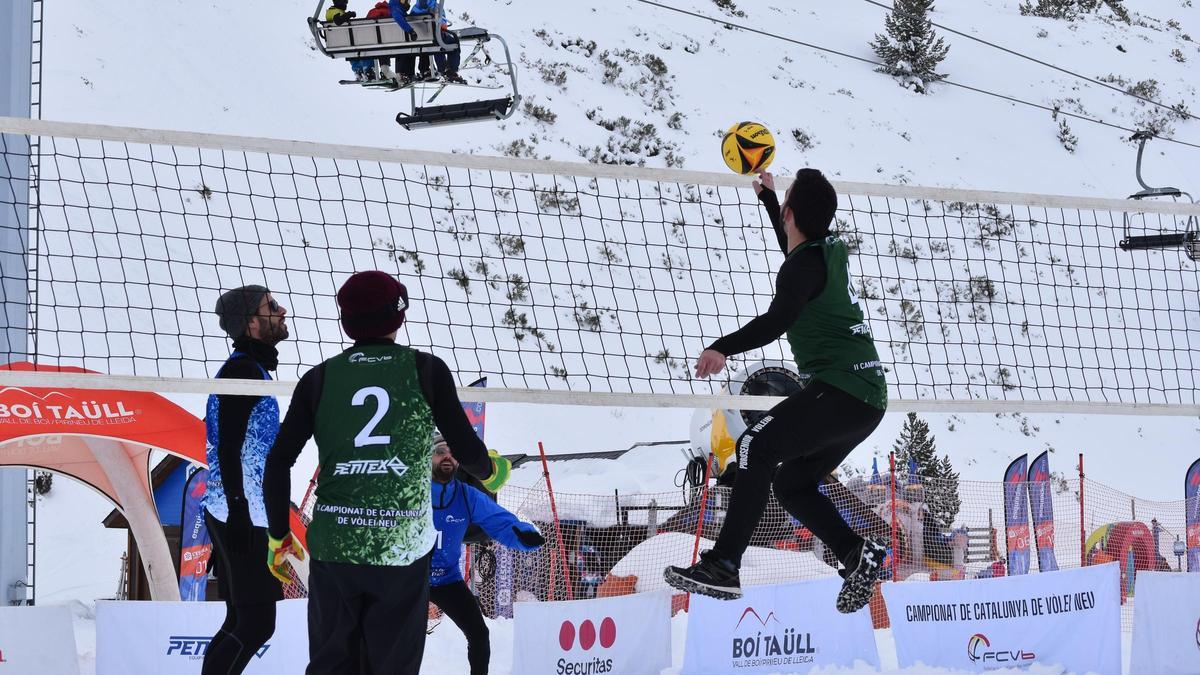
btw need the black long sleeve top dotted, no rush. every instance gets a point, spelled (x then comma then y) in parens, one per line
(801, 278)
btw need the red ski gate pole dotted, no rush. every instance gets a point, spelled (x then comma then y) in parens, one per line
(687, 602)
(562, 548)
(1082, 530)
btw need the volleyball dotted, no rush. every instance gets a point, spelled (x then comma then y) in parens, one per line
(748, 147)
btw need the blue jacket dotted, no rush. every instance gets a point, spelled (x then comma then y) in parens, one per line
(455, 506)
(261, 429)
(418, 7)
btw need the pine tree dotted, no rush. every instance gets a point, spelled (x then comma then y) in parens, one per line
(910, 51)
(938, 475)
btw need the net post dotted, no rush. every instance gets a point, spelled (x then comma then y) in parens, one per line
(1082, 529)
(16, 100)
(562, 548)
(895, 523)
(687, 598)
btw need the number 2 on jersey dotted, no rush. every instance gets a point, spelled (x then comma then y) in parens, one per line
(382, 402)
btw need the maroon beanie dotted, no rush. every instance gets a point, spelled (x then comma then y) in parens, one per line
(372, 304)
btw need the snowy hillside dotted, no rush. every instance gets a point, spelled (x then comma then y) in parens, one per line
(257, 74)
(585, 66)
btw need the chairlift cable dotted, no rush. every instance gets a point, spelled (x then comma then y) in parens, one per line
(835, 52)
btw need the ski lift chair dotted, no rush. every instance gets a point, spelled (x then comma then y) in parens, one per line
(383, 38)
(1189, 239)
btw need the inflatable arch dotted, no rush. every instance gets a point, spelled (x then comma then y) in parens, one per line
(1131, 543)
(104, 439)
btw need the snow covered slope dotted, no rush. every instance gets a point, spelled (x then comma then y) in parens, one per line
(250, 69)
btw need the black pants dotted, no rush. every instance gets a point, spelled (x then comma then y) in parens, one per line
(367, 619)
(459, 603)
(806, 436)
(250, 593)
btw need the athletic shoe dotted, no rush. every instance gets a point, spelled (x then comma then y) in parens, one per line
(860, 580)
(712, 576)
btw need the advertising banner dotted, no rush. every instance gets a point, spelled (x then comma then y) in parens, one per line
(1191, 496)
(1016, 516)
(195, 547)
(624, 634)
(1069, 618)
(37, 640)
(789, 628)
(171, 637)
(1166, 624)
(1041, 505)
(477, 410)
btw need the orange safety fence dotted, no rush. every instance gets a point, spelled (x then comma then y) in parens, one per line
(619, 543)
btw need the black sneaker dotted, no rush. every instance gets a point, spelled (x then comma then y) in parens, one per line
(712, 576)
(860, 580)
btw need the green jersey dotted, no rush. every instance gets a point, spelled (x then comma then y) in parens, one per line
(829, 340)
(373, 429)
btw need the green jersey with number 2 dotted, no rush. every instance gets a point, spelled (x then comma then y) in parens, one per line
(373, 430)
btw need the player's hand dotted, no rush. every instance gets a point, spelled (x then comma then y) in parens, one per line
(531, 538)
(277, 552)
(410, 36)
(710, 362)
(765, 181)
(501, 470)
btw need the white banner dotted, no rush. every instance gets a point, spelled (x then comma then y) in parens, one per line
(133, 638)
(37, 640)
(1070, 618)
(625, 634)
(1166, 623)
(789, 628)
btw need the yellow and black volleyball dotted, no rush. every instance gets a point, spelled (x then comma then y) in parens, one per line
(748, 147)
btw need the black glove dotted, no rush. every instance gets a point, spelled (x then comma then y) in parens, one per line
(530, 538)
(238, 526)
(351, 15)
(410, 36)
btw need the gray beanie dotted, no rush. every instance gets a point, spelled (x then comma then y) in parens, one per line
(235, 308)
(438, 439)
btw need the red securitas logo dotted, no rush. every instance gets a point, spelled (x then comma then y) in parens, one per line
(25, 407)
(588, 638)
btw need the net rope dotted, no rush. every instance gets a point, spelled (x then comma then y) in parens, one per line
(575, 281)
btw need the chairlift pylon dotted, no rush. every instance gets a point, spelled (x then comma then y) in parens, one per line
(1188, 239)
(361, 38)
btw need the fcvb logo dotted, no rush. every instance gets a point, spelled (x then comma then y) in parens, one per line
(978, 649)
